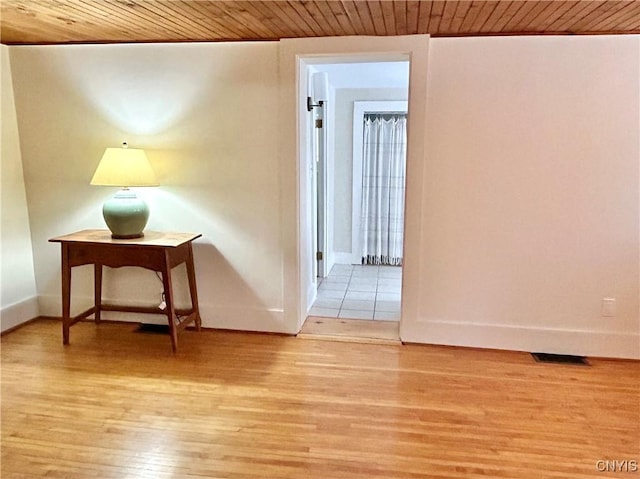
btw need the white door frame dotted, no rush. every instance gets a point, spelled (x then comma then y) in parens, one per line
(360, 108)
(294, 197)
(322, 224)
(318, 164)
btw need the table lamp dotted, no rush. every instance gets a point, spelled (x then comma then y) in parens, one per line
(126, 215)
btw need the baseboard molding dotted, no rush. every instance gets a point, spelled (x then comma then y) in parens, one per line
(262, 319)
(312, 294)
(16, 314)
(240, 318)
(343, 258)
(19, 326)
(603, 344)
(246, 318)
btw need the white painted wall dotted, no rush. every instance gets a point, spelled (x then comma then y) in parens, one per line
(18, 298)
(343, 157)
(531, 195)
(206, 115)
(528, 211)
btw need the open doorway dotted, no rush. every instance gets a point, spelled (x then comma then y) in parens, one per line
(295, 55)
(358, 192)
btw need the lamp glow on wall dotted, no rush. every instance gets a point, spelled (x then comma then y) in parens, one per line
(126, 215)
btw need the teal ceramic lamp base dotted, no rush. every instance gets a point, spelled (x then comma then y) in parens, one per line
(126, 215)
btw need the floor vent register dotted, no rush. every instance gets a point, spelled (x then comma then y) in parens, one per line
(560, 359)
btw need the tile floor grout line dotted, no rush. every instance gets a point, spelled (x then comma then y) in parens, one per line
(375, 298)
(356, 272)
(345, 291)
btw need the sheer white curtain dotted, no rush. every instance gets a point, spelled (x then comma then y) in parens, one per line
(383, 183)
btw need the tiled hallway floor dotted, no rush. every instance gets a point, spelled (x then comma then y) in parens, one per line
(360, 292)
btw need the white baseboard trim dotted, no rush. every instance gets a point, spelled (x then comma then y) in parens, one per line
(245, 318)
(517, 338)
(262, 319)
(17, 313)
(241, 318)
(312, 294)
(343, 258)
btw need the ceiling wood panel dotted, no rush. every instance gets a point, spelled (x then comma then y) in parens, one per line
(375, 13)
(388, 18)
(363, 12)
(267, 19)
(552, 12)
(486, 11)
(243, 15)
(354, 17)
(227, 18)
(285, 20)
(505, 20)
(400, 13)
(529, 17)
(633, 19)
(343, 18)
(327, 14)
(469, 19)
(418, 13)
(599, 14)
(574, 14)
(521, 19)
(447, 17)
(116, 21)
(494, 17)
(435, 17)
(588, 12)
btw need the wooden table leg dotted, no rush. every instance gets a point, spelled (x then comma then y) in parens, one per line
(168, 298)
(66, 294)
(193, 290)
(97, 290)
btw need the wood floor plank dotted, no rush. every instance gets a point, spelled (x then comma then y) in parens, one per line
(116, 403)
(352, 329)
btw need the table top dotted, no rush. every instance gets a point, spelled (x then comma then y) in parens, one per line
(150, 238)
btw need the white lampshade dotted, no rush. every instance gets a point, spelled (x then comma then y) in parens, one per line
(126, 215)
(124, 167)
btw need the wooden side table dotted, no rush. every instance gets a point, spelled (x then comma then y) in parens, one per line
(155, 251)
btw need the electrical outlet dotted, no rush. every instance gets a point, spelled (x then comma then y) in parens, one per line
(608, 307)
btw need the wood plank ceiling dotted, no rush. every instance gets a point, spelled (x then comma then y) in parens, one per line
(115, 21)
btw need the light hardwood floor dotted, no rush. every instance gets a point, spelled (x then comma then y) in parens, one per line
(355, 330)
(118, 404)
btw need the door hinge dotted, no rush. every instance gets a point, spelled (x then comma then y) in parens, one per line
(319, 123)
(319, 255)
